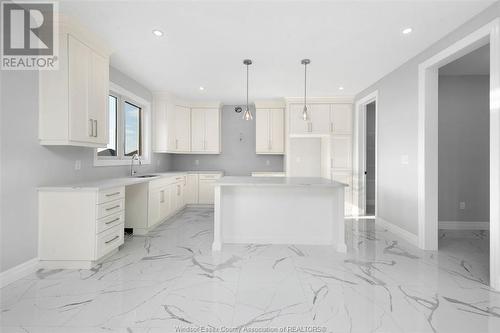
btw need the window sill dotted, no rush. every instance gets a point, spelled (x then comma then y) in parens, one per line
(102, 163)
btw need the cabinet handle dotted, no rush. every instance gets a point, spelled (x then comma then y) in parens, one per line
(162, 196)
(95, 127)
(111, 208)
(112, 194)
(176, 143)
(331, 127)
(114, 220)
(91, 128)
(112, 239)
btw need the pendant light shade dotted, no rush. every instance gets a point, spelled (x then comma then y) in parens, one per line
(247, 115)
(305, 112)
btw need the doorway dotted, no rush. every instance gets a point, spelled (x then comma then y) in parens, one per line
(365, 157)
(463, 161)
(428, 74)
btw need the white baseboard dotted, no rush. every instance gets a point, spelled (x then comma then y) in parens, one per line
(464, 225)
(406, 235)
(18, 272)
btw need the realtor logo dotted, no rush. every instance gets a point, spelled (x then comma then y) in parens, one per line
(29, 36)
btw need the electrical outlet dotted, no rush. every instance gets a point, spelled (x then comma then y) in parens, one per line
(405, 159)
(268, 162)
(197, 162)
(462, 205)
(78, 164)
(158, 162)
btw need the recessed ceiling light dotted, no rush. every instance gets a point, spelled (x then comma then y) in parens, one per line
(407, 31)
(341, 88)
(202, 88)
(157, 33)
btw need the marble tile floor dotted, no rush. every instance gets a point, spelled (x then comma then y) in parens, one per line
(170, 281)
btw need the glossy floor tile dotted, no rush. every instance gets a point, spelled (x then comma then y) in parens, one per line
(170, 281)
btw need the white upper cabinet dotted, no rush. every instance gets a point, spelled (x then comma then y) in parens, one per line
(297, 124)
(181, 129)
(73, 99)
(205, 129)
(320, 118)
(184, 129)
(269, 131)
(341, 118)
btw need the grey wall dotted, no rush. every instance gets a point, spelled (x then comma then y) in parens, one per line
(397, 129)
(464, 147)
(238, 150)
(25, 164)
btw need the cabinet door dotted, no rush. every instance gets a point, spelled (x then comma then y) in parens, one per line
(165, 203)
(341, 119)
(154, 207)
(206, 191)
(98, 97)
(320, 118)
(81, 124)
(160, 123)
(297, 124)
(262, 131)
(172, 142)
(182, 129)
(276, 131)
(212, 131)
(191, 194)
(341, 152)
(197, 130)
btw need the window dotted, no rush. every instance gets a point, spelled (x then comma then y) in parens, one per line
(128, 125)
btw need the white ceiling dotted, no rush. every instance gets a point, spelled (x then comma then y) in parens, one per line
(476, 62)
(352, 44)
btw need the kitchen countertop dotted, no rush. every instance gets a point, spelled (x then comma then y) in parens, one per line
(122, 181)
(278, 181)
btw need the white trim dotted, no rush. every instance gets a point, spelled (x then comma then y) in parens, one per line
(427, 136)
(18, 272)
(147, 128)
(406, 235)
(464, 225)
(359, 160)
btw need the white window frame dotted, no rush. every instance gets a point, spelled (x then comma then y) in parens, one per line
(125, 95)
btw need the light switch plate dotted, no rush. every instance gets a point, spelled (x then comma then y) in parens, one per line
(78, 164)
(462, 205)
(197, 162)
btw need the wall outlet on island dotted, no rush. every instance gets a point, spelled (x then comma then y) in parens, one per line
(268, 162)
(197, 162)
(78, 164)
(462, 205)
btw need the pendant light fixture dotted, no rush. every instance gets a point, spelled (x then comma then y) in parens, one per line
(305, 113)
(247, 115)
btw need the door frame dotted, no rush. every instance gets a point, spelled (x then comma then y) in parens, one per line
(428, 72)
(359, 165)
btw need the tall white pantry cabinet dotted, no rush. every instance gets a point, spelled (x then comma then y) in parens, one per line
(74, 99)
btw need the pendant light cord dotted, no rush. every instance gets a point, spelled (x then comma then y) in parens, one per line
(305, 84)
(247, 86)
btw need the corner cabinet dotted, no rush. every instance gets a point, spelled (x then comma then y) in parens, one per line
(73, 100)
(269, 131)
(186, 128)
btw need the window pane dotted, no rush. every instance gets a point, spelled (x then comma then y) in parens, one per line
(132, 114)
(111, 148)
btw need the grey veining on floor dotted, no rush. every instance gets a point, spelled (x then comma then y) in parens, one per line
(170, 280)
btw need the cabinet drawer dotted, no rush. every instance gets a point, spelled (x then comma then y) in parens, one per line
(209, 176)
(109, 240)
(109, 208)
(110, 221)
(111, 194)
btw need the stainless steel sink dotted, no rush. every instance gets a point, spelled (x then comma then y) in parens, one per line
(145, 176)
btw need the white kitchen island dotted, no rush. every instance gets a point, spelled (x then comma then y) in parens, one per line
(279, 210)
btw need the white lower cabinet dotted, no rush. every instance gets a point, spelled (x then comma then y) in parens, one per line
(200, 188)
(153, 202)
(78, 227)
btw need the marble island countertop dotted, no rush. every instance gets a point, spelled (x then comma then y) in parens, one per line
(121, 181)
(278, 181)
